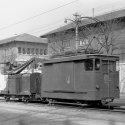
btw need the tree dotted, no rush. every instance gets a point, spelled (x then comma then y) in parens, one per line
(8, 57)
(103, 33)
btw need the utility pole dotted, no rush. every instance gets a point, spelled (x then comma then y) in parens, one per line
(77, 20)
(93, 13)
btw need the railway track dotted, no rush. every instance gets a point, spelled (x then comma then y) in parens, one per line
(79, 107)
(110, 109)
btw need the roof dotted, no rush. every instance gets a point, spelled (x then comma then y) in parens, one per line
(80, 57)
(104, 17)
(26, 38)
(22, 58)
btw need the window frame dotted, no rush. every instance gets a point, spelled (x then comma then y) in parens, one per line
(19, 50)
(87, 65)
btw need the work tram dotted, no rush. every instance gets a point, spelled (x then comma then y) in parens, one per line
(88, 78)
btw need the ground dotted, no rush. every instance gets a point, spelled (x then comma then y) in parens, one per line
(12, 113)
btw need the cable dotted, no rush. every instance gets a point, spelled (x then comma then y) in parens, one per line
(44, 27)
(55, 25)
(37, 15)
(58, 26)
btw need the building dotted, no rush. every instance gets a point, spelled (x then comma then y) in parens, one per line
(20, 48)
(65, 37)
(109, 29)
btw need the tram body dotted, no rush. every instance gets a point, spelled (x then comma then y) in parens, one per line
(84, 78)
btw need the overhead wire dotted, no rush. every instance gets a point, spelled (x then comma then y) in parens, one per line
(30, 18)
(43, 27)
(52, 25)
(58, 26)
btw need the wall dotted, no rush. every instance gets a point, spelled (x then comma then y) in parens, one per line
(122, 77)
(25, 56)
(9, 53)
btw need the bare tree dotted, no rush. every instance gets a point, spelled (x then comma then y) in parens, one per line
(103, 33)
(108, 37)
(9, 57)
(88, 35)
(12, 56)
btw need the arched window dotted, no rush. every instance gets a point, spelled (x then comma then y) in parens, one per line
(32, 51)
(37, 51)
(45, 51)
(19, 49)
(41, 51)
(28, 50)
(24, 51)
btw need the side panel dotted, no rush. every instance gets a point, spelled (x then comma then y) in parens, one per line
(100, 86)
(57, 79)
(111, 79)
(116, 82)
(108, 85)
(25, 86)
(19, 82)
(35, 83)
(84, 81)
(14, 84)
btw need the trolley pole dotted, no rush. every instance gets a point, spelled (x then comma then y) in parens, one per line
(77, 37)
(77, 21)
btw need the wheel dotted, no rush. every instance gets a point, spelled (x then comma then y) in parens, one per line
(96, 104)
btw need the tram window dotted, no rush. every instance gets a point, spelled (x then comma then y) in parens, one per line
(112, 66)
(105, 67)
(97, 64)
(88, 64)
(108, 66)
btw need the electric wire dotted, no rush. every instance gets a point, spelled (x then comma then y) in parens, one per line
(30, 18)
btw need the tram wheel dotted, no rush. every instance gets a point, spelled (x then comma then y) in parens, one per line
(97, 104)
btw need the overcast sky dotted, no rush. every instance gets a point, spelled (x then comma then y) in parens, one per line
(37, 17)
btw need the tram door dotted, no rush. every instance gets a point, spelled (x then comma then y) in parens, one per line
(107, 68)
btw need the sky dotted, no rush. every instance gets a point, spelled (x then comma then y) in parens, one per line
(37, 17)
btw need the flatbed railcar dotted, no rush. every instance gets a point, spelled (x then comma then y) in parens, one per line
(23, 87)
(88, 78)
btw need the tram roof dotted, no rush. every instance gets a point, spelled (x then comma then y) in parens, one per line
(80, 57)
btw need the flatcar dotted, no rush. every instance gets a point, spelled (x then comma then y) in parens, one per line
(88, 78)
(23, 87)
